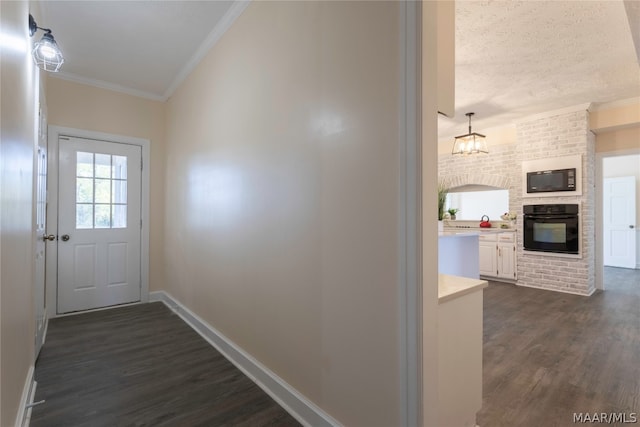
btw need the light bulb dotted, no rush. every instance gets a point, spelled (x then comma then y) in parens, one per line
(47, 51)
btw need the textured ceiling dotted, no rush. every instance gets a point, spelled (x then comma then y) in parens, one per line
(518, 58)
(513, 58)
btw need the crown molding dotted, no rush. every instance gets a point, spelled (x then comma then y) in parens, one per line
(214, 36)
(106, 85)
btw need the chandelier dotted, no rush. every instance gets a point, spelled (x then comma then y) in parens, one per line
(470, 143)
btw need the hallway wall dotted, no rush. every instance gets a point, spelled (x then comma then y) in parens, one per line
(19, 80)
(282, 198)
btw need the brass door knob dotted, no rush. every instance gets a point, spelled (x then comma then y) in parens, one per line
(65, 237)
(50, 237)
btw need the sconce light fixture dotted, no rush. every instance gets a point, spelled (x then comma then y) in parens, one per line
(470, 143)
(46, 53)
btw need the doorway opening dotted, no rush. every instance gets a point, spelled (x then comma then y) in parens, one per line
(617, 213)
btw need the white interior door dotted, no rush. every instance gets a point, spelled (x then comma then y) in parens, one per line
(99, 222)
(619, 216)
(41, 231)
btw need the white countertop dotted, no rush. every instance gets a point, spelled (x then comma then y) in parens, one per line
(451, 287)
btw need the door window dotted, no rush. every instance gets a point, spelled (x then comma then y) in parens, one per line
(101, 191)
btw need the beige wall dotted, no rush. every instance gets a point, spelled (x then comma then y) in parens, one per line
(89, 108)
(615, 115)
(17, 135)
(616, 125)
(618, 140)
(282, 194)
(431, 27)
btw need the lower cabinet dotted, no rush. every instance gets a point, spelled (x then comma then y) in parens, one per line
(498, 255)
(506, 261)
(488, 257)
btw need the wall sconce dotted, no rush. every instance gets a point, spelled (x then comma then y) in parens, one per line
(470, 143)
(46, 53)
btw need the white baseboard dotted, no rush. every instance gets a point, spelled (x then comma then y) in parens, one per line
(28, 393)
(301, 408)
(564, 291)
(46, 328)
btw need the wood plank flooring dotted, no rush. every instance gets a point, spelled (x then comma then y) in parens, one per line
(548, 355)
(142, 366)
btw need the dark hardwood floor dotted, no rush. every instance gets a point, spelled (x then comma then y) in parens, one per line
(548, 355)
(142, 366)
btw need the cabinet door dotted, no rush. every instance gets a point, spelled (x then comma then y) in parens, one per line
(506, 261)
(488, 266)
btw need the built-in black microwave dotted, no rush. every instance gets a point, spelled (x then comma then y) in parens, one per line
(551, 180)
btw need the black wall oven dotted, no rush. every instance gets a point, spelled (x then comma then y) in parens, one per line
(552, 228)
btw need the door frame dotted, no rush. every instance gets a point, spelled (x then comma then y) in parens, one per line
(39, 293)
(599, 232)
(51, 281)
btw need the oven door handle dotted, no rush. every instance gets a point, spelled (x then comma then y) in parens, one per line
(551, 216)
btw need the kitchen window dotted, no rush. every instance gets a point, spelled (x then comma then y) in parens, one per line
(475, 203)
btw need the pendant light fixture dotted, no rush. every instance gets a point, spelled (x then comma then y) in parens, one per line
(46, 53)
(470, 143)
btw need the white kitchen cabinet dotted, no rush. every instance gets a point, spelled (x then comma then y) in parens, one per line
(488, 255)
(506, 261)
(498, 255)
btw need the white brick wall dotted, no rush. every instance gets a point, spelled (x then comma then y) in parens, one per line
(496, 169)
(554, 136)
(561, 135)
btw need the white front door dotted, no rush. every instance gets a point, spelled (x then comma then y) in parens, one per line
(99, 221)
(619, 216)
